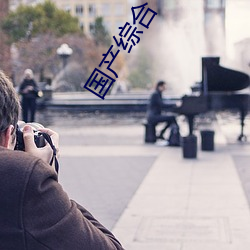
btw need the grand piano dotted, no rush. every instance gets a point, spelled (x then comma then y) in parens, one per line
(220, 89)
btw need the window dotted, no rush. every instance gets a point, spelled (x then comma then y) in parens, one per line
(171, 4)
(118, 24)
(92, 10)
(79, 10)
(119, 9)
(91, 27)
(82, 26)
(108, 25)
(67, 8)
(105, 9)
(215, 4)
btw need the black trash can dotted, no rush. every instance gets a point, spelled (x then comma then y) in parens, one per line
(150, 133)
(189, 146)
(207, 140)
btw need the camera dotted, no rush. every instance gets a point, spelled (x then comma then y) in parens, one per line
(38, 137)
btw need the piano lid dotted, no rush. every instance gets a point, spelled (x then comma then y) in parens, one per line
(218, 78)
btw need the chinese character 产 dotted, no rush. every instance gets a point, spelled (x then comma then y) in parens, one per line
(110, 62)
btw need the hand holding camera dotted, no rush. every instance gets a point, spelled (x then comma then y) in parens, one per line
(38, 137)
(41, 142)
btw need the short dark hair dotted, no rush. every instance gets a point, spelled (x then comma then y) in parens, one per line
(9, 104)
(159, 84)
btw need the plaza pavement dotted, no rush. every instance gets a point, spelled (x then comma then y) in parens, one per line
(175, 203)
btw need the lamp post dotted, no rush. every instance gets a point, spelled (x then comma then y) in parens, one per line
(64, 51)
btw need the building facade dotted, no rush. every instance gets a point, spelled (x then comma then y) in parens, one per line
(114, 12)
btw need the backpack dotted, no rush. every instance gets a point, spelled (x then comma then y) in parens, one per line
(174, 136)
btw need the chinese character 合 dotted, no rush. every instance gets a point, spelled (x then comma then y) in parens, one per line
(140, 12)
(110, 62)
(99, 79)
(123, 29)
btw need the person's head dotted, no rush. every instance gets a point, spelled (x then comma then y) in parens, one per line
(161, 86)
(28, 74)
(9, 112)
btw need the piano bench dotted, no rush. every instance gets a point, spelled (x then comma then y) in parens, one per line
(150, 132)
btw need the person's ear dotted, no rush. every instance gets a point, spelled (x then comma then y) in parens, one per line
(7, 141)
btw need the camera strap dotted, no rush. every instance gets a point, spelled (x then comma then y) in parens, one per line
(48, 139)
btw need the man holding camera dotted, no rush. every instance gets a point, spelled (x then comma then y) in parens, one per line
(35, 212)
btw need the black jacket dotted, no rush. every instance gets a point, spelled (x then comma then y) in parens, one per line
(32, 93)
(155, 104)
(36, 214)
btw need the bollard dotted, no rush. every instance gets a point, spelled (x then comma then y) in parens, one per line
(189, 146)
(150, 134)
(207, 140)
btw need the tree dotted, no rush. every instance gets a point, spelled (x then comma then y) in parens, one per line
(50, 28)
(5, 63)
(42, 18)
(40, 54)
(100, 33)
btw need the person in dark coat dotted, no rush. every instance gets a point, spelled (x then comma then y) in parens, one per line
(29, 91)
(35, 212)
(155, 107)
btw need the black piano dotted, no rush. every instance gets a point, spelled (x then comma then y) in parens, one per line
(220, 89)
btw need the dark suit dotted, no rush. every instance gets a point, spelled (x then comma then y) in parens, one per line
(154, 111)
(36, 214)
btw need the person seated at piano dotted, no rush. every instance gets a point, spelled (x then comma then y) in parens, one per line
(155, 107)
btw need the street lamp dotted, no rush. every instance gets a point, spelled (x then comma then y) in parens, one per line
(64, 51)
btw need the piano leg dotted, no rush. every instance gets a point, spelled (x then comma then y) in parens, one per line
(190, 123)
(243, 114)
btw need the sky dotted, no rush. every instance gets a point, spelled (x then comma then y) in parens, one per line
(237, 23)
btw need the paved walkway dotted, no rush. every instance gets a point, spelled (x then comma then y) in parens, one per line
(185, 204)
(178, 204)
